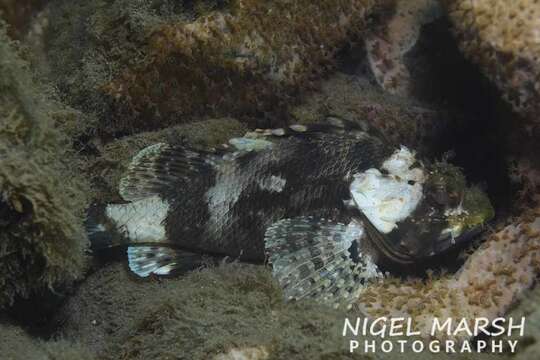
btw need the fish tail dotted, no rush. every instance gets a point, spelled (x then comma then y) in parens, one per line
(143, 259)
(101, 231)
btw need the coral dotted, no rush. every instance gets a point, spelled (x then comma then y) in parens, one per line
(250, 58)
(42, 199)
(231, 309)
(388, 44)
(529, 347)
(502, 37)
(504, 266)
(524, 164)
(526, 173)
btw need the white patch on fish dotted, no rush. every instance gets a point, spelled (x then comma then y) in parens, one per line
(455, 230)
(457, 211)
(354, 231)
(272, 183)
(229, 184)
(388, 199)
(247, 144)
(142, 220)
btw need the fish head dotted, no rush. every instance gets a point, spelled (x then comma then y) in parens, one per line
(418, 211)
(464, 210)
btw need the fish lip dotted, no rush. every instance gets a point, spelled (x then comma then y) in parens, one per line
(381, 243)
(447, 243)
(403, 257)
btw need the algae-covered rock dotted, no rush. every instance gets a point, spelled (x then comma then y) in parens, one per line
(17, 14)
(42, 240)
(16, 344)
(149, 64)
(198, 316)
(387, 44)
(529, 307)
(502, 37)
(399, 120)
(214, 313)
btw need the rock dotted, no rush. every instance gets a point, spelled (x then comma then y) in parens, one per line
(197, 316)
(17, 14)
(387, 45)
(401, 121)
(42, 196)
(16, 344)
(143, 67)
(502, 38)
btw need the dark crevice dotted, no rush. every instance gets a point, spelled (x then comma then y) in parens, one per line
(478, 139)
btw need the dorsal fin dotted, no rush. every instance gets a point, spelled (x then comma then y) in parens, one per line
(161, 168)
(331, 125)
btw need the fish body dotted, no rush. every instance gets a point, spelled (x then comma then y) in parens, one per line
(302, 197)
(223, 204)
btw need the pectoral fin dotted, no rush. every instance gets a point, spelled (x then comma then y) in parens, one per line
(311, 258)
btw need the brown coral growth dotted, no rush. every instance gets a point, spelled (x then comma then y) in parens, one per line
(386, 47)
(503, 37)
(247, 61)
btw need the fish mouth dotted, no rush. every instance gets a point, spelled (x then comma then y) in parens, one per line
(382, 244)
(402, 255)
(448, 242)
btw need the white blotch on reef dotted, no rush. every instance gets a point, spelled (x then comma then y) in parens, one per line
(272, 183)
(389, 198)
(141, 220)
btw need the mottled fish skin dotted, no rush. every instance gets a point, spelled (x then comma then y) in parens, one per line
(225, 206)
(325, 204)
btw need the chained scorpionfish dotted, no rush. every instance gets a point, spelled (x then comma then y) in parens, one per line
(324, 204)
